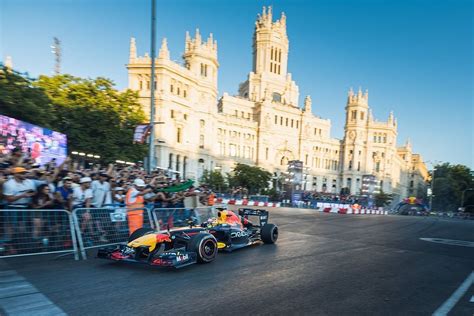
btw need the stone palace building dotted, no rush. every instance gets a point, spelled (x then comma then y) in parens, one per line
(264, 125)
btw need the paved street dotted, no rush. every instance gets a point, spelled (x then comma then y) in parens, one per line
(323, 264)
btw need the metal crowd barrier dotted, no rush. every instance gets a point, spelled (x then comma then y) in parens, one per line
(99, 227)
(25, 232)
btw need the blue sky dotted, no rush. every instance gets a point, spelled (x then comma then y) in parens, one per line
(414, 56)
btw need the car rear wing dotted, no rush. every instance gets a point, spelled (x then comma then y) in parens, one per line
(261, 214)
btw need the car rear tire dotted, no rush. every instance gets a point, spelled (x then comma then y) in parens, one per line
(205, 246)
(269, 233)
(139, 233)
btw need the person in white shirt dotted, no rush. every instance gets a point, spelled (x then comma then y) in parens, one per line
(19, 190)
(101, 191)
(82, 195)
(81, 198)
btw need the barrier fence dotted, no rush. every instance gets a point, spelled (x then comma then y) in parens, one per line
(26, 232)
(37, 232)
(99, 227)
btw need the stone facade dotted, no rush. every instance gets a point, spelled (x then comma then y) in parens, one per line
(264, 125)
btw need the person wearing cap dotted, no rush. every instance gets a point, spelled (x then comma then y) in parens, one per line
(119, 196)
(135, 203)
(82, 195)
(19, 190)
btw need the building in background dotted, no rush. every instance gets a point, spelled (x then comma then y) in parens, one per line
(264, 125)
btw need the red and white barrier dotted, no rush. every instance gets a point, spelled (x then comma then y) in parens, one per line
(245, 202)
(336, 208)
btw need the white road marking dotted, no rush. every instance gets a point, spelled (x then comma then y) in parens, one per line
(19, 297)
(455, 297)
(451, 242)
(472, 299)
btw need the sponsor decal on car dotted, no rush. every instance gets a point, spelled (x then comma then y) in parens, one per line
(180, 258)
(239, 234)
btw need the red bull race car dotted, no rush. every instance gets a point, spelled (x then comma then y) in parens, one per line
(195, 244)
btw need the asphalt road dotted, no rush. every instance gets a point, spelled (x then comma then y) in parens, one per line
(322, 264)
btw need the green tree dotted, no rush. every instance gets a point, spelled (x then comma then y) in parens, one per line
(91, 112)
(382, 199)
(255, 179)
(96, 117)
(449, 183)
(20, 99)
(215, 180)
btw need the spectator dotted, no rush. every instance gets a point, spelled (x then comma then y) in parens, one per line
(101, 191)
(64, 194)
(82, 195)
(42, 200)
(119, 196)
(19, 190)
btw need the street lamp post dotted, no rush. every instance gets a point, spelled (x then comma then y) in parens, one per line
(432, 189)
(151, 154)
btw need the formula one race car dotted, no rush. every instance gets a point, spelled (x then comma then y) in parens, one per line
(185, 246)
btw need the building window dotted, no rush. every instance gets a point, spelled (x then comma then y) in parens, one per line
(281, 120)
(155, 84)
(362, 114)
(306, 159)
(202, 123)
(179, 135)
(377, 166)
(266, 153)
(178, 158)
(185, 164)
(171, 88)
(354, 115)
(185, 116)
(141, 85)
(201, 141)
(204, 70)
(172, 113)
(148, 85)
(286, 122)
(170, 161)
(375, 138)
(232, 150)
(350, 164)
(184, 93)
(358, 166)
(276, 97)
(379, 138)
(292, 121)
(276, 119)
(297, 124)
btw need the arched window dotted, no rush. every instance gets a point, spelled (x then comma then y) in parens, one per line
(276, 97)
(284, 161)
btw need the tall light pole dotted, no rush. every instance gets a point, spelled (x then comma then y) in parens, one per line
(56, 50)
(151, 154)
(432, 188)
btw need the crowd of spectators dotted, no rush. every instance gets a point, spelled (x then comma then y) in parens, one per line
(24, 184)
